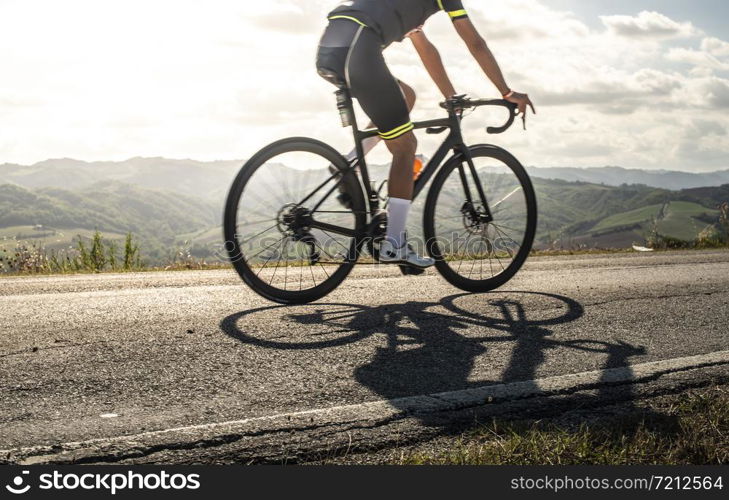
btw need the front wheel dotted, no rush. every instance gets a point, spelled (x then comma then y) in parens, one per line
(479, 247)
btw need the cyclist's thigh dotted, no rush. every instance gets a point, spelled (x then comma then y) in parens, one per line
(333, 48)
(377, 91)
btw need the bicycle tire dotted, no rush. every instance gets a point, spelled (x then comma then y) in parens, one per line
(429, 221)
(230, 223)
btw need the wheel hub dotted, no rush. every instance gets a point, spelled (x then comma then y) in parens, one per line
(474, 218)
(294, 219)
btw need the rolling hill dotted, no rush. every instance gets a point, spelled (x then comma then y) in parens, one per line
(210, 180)
(618, 176)
(55, 216)
(167, 202)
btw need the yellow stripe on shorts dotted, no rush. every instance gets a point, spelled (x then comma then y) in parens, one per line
(397, 132)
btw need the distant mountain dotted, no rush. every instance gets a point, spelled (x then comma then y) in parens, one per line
(577, 213)
(617, 176)
(188, 177)
(167, 202)
(211, 180)
(156, 218)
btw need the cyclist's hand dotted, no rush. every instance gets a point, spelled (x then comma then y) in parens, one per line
(456, 99)
(522, 101)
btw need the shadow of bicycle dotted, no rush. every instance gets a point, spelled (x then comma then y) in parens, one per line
(432, 347)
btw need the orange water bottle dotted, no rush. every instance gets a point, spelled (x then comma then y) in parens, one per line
(417, 167)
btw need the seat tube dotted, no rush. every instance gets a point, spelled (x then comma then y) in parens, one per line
(361, 162)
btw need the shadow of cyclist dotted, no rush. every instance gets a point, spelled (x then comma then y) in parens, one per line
(424, 354)
(428, 352)
(433, 347)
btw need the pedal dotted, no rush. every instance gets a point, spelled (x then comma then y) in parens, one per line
(411, 271)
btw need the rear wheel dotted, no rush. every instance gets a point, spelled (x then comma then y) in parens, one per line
(479, 247)
(286, 234)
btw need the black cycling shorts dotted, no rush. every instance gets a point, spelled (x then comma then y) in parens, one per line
(354, 53)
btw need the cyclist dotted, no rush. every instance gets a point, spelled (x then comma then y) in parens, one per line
(350, 51)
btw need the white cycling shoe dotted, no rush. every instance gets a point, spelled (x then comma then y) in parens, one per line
(404, 255)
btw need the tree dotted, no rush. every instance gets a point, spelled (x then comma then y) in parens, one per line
(131, 253)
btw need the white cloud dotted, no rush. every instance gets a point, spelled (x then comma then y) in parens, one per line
(715, 47)
(696, 58)
(648, 24)
(180, 78)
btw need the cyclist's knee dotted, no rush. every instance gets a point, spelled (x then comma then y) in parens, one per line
(405, 145)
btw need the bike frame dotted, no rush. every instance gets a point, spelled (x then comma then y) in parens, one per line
(453, 142)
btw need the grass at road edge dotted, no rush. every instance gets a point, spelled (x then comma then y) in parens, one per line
(214, 266)
(691, 428)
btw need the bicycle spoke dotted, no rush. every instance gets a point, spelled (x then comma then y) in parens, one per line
(511, 254)
(242, 244)
(259, 222)
(286, 268)
(268, 260)
(339, 211)
(278, 262)
(313, 279)
(498, 203)
(336, 241)
(301, 278)
(269, 246)
(470, 235)
(506, 227)
(316, 243)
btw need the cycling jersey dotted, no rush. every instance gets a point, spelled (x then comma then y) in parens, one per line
(351, 48)
(392, 20)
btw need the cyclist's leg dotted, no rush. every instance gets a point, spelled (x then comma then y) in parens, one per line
(335, 52)
(370, 143)
(385, 102)
(401, 174)
(400, 186)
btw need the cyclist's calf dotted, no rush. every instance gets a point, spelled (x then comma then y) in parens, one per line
(401, 174)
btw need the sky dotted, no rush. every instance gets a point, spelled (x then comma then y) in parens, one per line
(638, 84)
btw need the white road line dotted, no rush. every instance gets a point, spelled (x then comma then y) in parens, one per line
(363, 412)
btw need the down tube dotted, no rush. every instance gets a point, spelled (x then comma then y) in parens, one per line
(433, 165)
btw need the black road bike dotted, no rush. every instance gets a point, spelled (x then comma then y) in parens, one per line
(299, 216)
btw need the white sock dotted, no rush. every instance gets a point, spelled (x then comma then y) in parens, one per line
(368, 145)
(397, 217)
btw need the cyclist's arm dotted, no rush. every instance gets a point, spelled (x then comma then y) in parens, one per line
(433, 63)
(481, 52)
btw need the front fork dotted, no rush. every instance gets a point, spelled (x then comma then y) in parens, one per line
(469, 208)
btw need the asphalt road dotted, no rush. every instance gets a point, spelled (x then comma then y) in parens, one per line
(87, 360)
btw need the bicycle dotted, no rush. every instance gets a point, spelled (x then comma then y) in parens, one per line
(481, 192)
